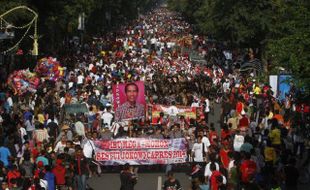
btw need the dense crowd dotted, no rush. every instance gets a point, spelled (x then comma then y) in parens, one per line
(256, 146)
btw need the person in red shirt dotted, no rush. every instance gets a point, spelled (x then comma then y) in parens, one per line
(213, 135)
(40, 169)
(59, 171)
(13, 174)
(224, 154)
(216, 179)
(239, 107)
(244, 121)
(248, 169)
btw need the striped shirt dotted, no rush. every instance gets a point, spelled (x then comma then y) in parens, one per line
(127, 111)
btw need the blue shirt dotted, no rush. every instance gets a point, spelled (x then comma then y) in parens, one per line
(50, 178)
(4, 155)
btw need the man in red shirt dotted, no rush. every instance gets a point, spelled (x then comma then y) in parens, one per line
(213, 137)
(216, 179)
(224, 154)
(13, 174)
(244, 121)
(248, 169)
(60, 172)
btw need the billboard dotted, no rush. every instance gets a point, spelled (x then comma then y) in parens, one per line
(129, 101)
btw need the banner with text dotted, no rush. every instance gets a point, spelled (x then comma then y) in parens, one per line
(141, 151)
(187, 112)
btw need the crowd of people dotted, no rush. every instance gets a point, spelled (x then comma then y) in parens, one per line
(255, 145)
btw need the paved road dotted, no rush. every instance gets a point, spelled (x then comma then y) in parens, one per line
(147, 181)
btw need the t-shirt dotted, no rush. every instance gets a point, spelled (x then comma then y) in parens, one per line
(4, 155)
(248, 170)
(275, 136)
(208, 172)
(174, 185)
(224, 158)
(270, 154)
(80, 79)
(238, 141)
(197, 149)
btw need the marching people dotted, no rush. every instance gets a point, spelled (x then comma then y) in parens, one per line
(255, 132)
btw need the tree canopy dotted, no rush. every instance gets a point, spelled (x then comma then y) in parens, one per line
(58, 19)
(279, 29)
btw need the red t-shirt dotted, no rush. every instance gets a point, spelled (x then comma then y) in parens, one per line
(212, 137)
(239, 107)
(225, 134)
(11, 175)
(213, 181)
(244, 122)
(59, 172)
(224, 158)
(248, 170)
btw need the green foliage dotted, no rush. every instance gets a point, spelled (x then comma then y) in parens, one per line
(289, 46)
(58, 19)
(279, 29)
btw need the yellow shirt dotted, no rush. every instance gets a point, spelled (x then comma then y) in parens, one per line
(41, 118)
(257, 90)
(270, 154)
(275, 137)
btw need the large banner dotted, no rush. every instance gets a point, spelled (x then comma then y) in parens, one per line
(141, 151)
(129, 101)
(187, 112)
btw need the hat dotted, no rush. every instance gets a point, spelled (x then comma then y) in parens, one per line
(64, 127)
(40, 164)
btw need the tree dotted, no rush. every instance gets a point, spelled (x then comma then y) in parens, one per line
(289, 45)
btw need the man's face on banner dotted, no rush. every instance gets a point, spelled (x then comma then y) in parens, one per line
(132, 93)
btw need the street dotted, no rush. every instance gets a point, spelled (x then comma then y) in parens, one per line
(147, 181)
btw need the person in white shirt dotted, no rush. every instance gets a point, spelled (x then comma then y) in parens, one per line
(173, 110)
(80, 79)
(208, 171)
(80, 128)
(22, 132)
(197, 151)
(88, 147)
(238, 141)
(207, 109)
(107, 118)
(60, 146)
(195, 103)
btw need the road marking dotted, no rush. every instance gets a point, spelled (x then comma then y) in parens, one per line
(159, 183)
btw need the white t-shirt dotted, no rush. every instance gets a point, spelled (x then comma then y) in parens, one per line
(79, 128)
(207, 109)
(238, 142)
(172, 110)
(197, 149)
(208, 171)
(80, 79)
(205, 140)
(10, 101)
(59, 148)
(107, 119)
(88, 148)
(22, 132)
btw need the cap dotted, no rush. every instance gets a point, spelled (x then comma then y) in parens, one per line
(64, 127)
(40, 164)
